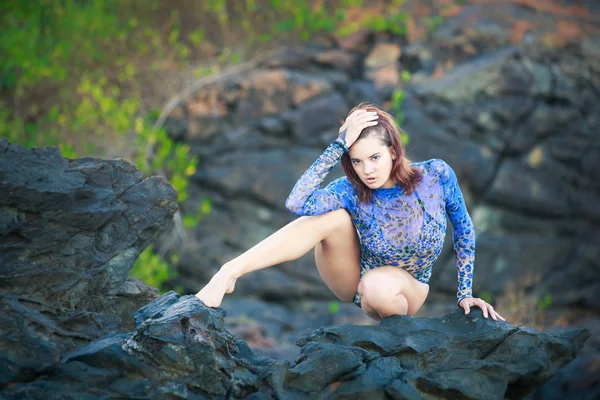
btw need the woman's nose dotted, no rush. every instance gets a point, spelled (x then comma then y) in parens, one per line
(368, 169)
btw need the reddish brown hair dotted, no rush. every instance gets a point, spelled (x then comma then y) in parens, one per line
(388, 131)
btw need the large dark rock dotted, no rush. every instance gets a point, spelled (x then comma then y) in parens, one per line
(70, 231)
(580, 379)
(180, 349)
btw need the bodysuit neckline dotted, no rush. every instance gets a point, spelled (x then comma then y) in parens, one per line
(389, 193)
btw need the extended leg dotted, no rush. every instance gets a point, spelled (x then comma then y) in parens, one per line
(289, 243)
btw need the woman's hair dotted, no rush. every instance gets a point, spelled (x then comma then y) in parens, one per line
(389, 133)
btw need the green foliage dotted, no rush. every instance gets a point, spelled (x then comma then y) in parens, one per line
(544, 302)
(432, 23)
(204, 208)
(158, 152)
(485, 296)
(151, 269)
(394, 23)
(334, 307)
(396, 110)
(266, 20)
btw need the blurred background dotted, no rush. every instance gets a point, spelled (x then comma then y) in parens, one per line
(233, 100)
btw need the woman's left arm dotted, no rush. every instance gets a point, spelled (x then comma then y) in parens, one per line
(463, 238)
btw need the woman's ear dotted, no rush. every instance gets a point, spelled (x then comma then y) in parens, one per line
(393, 152)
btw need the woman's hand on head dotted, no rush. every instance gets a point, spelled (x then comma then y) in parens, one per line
(487, 308)
(354, 125)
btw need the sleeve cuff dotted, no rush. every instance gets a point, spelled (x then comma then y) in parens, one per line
(340, 145)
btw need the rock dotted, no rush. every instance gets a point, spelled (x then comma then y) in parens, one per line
(381, 55)
(318, 122)
(270, 328)
(357, 41)
(297, 57)
(522, 187)
(363, 92)
(432, 352)
(337, 59)
(261, 93)
(580, 379)
(70, 231)
(381, 67)
(502, 258)
(418, 58)
(180, 348)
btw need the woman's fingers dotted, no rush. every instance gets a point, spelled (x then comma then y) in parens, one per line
(499, 316)
(495, 314)
(492, 312)
(355, 123)
(357, 116)
(483, 305)
(489, 309)
(486, 309)
(365, 120)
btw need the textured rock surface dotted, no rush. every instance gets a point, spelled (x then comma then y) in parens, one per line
(180, 349)
(580, 379)
(70, 231)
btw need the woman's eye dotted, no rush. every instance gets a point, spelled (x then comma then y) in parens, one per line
(375, 157)
(355, 162)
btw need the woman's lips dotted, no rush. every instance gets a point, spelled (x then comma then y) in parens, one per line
(371, 180)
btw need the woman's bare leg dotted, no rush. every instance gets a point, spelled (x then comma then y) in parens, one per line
(291, 242)
(389, 291)
(338, 258)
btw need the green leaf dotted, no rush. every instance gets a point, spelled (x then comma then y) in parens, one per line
(334, 307)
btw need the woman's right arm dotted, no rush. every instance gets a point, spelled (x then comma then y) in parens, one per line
(307, 199)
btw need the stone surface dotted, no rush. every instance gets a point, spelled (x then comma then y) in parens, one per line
(70, 231)
(580, 379)
(181, 349)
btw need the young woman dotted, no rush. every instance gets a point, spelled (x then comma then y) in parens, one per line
(376, 232)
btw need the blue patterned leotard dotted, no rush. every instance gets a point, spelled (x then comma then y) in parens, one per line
(397, 229)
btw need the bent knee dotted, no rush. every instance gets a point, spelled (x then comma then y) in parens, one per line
(377, 288)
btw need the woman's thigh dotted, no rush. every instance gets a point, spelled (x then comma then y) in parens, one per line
(393, 280)
(338, 256)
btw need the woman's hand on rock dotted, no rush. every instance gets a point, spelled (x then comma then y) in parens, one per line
(354, 125)
(487, 308)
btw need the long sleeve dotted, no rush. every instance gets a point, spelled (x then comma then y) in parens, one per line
(307, 199)
(463, 234)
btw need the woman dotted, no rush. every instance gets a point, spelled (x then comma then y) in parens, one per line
(376, 232)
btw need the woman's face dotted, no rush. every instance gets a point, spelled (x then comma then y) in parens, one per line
(372, 160)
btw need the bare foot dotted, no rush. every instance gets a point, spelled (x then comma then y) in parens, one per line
(220, 284)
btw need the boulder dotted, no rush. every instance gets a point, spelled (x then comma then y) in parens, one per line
(181, 349)
(70, 231)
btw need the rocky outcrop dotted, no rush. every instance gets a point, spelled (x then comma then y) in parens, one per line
(70, 231)
(507, 94)
(180, 349)
(580, 379)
